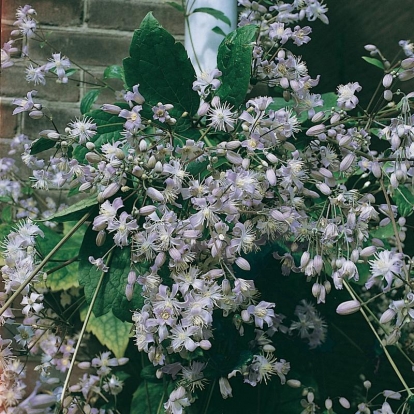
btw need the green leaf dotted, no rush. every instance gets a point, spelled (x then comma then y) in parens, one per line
(110, 331)
(66, 277)
(6, 214)
(111, 295)
(218, 30)
(404, 198)
(6, 199)
(75, 211)
(176, 6)
(218, 14)
(234, 61)
(40, 145)
(162, 69)
(373, 61)
(114, 72)
(89, 99)
(149, 397)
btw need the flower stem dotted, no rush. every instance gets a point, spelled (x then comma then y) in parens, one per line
(39, 267)
(82, 332)
(384, 348)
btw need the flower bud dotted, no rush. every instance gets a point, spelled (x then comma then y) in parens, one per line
(272, 158)
(294, 383)
(388, 95)
(271, 176)
(129, 291)
(205, 344)
(132, 277)
(328, 403)
(232, 145)
(100, 238)
(93, 157)
(344, 402)
(335, 118)
(147, 210)
(242, 263)
(315, 130)
(347, 162)
(368, 251)
(318, 117)
(348, 307)
(387, 80)
(225, 388)
(234, 158)
(155, 195)
(112, 109)
(394, 395)
(111, 190)
(36, 114)
(387, 316)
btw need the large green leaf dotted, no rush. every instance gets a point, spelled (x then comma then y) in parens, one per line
(75, 211)
(65, 277)
(110, 331)
(89, 99)
(234, 60)
(404, 198)
(111, 295)
(40, 145)
(162, 69)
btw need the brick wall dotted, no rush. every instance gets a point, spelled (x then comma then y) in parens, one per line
(92, 33)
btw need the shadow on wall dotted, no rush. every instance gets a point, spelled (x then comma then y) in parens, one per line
(336, 49)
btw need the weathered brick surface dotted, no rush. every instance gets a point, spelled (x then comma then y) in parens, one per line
(61, 117)
(13, 84)
(49, 12)
(8, 123)
(87, 48)
(127, 15)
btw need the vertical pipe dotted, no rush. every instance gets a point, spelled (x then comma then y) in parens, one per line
(200, 41)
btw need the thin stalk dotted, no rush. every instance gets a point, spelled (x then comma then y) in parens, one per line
(192, 43)
(384, 348)
(82, 332)
(39, 267)
(62, 265)
(213, 385)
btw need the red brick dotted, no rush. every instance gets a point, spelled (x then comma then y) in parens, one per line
(127, 15)
(8, 122)
(61, 117)
(86, 48)
(13, 83)
(49, 12)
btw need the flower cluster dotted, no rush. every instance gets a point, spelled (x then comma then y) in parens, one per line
(189, 199)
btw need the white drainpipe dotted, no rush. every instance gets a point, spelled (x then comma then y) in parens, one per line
(203, 42)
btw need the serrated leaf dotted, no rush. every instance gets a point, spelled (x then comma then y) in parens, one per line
(114, 72)
(88, 100)
(162, 69)
(110, 331)
(404, 198)
(218, 30)
(66, 277)
(373, 61)
(40, 145)
(234, 61)
(218, 14)
(75, 211)
(176, 6)
(111, 295)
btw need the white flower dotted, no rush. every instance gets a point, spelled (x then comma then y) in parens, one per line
(346, 95)
(220, 116)
(177, 400)
(387, 264)
(84, 129)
